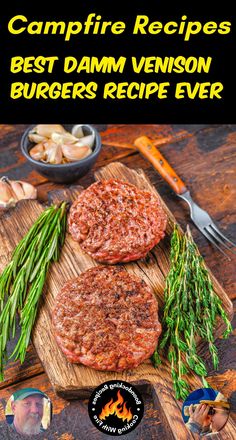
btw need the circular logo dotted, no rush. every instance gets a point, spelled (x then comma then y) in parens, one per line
(116, 407)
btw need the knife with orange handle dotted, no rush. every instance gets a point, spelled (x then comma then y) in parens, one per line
(200, 217)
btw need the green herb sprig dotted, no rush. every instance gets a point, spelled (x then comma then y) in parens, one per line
(191, 309)
(22, 281)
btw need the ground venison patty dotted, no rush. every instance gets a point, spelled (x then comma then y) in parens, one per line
(116, 222)
(106, 319)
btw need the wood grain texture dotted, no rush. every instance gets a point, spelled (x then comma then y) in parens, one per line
(76, 381)
(15, 372)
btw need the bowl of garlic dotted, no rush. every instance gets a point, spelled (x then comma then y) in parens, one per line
(62, 153)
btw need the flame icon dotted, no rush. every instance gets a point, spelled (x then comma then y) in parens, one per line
(112, 408)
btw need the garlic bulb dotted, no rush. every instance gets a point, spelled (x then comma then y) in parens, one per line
(11, 191)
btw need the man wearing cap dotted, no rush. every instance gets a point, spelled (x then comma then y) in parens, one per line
(208, 416)
(27, 407)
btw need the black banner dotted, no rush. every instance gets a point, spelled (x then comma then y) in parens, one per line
(99, 62)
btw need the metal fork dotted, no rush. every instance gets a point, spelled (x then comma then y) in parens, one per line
(200, 217)
(207, 226)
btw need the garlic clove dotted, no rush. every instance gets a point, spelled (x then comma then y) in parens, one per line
(73, 153)
(86, 141)
(46, 130)
(30, 192)
(77, 131)
(38, 152)
(53, 152)
(63, 138)
(17, 189)
(36, 138)
(7, 197)
(23, 190)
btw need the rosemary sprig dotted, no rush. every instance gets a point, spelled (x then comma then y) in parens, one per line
(22, 281)
(191, 309)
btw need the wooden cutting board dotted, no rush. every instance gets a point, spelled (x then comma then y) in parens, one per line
(76, 381)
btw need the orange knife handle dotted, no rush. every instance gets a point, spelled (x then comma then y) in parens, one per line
(148, 150)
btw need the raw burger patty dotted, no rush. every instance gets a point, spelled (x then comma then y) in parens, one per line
(114, 221)
(106, 319)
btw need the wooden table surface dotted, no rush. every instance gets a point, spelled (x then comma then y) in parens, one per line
(205, 158)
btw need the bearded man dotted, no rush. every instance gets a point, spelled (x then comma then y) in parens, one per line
(27, 407)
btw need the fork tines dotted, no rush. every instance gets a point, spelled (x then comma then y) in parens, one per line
(213, 234)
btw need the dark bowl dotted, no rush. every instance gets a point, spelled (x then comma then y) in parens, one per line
(68, 172)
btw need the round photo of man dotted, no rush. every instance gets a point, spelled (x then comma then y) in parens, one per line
(205, 411)
(29, 411)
